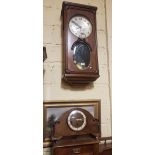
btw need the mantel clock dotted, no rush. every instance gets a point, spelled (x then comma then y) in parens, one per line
(76, 132)
(79, 43)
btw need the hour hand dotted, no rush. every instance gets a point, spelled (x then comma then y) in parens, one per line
(79, 119)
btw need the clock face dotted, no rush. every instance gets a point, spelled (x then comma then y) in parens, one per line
(76, 120)
(80, 26)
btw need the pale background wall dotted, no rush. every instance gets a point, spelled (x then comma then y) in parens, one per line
(54, 88)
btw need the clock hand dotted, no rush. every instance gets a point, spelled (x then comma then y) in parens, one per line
(76, 24)
(79, 119)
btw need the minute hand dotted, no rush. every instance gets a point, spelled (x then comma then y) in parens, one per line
(76, 24)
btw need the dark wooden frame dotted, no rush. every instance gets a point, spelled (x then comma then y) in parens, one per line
(60, 104)
(44, 53)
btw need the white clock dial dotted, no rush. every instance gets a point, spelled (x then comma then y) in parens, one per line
(77, 120)
(80, 26)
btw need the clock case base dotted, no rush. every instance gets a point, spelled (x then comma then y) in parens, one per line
(75, 79)
(83, 145)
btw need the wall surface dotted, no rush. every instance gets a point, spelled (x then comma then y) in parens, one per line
(108, 16)
(54, 88)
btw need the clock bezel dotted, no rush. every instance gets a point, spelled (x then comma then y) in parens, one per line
(84, 121)
(82, 16)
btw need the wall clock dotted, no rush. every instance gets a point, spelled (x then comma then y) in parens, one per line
(79, 43)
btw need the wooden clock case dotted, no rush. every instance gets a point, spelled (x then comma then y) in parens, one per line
(61, 128)
(69, 142)
(71, 73)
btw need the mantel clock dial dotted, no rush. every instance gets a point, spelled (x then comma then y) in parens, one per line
(76, 120)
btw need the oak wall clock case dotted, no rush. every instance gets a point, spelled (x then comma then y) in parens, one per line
(79, 43)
